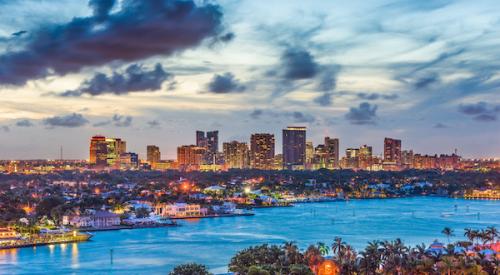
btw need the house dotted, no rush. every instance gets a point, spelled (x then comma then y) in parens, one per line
(99, 219)
(7, 235)
(179, 210)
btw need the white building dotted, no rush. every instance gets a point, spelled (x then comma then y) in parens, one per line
(180, 210)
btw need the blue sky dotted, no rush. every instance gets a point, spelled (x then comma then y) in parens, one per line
(153, 72)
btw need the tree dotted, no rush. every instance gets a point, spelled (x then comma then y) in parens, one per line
(447, 232)
(141, 212)
(47, 204)
(492, 232)
(323, 248)
(256, 270)
(190, 269)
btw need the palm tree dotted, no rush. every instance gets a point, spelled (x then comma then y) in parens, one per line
(338, 245)
(471, 234)
(323, 248)
(492, 232)
(313, 257)
(447, 232)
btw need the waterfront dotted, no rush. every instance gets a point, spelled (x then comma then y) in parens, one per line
(214, 241)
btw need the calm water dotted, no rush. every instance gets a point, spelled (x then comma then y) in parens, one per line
(214, 241)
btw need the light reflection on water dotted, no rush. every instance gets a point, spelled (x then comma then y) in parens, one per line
(214, 241)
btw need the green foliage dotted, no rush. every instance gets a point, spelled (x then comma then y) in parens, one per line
(190, 269)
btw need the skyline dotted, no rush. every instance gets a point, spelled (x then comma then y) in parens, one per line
(425, 73)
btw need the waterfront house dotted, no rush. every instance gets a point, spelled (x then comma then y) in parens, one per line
(98, 219)
(180, 210)
(7, 235)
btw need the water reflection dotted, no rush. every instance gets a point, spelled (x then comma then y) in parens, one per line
(74, 256)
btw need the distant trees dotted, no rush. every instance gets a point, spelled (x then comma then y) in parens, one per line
(190, 269)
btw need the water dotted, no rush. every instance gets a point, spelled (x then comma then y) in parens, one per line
(214, 241)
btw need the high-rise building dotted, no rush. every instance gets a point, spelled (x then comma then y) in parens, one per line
(115, 147)
(190, 157)
(320, 157)
(352, 158)
(309, 154)
(129, 160)
(392, 151)
(153, 154)
(407, 158)
(294, 147)
(236, 154)
(98, 151)
(262, 151)
(365, 157)
(210, 142)
(332, 152)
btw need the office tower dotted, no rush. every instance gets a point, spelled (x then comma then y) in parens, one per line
(294, 147)
(407, 158)
(262, 151)
(236, 154)
(115, 147)
(365, 157)
(309, 154)
(129, 160)
(210, 141)
(352, 158)
(332, 151)
(98, 151)
(320, 157)
(392, 151)
(153, 154)
(190, 157)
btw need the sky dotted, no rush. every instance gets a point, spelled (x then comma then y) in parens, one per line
(154, 72)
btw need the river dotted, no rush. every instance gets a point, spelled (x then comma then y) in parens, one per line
(214, 241)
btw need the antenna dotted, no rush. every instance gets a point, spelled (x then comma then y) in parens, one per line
(61, 153)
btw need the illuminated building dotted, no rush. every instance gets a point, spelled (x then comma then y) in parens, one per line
(365, 157)
(351, 158)
(236, 154)
(309, 154)
(320, 157)
(407, 159)
(332, 152)
(98, 151)
(262, 151)
(129, 161)
(190, 157)
(115, 147)
(294, 147)
(153, 154)
(392, 152)
(210, 142)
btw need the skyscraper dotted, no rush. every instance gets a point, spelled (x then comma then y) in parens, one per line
(294, 147)
(236, 154)
(98, 151)
(210, 142)
(190, 157)
(115, 147)
(365, 157)
(332, 152)
(153, 154)
(392, 151)
(262, 151)
(309, 154)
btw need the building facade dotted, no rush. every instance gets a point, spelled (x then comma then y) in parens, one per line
(294, 147)
(262, 151)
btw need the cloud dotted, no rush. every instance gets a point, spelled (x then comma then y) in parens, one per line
(18, 33)
(153, 123)
(5, 128)
(70, 121)
(426, 81)
(364, 114)
(327, 84)
(375, 96)
(24, 123)
(116, 120)
(480, 111)
(135, 78)
(440, 125)
(256, 114)
(225, 83)
(298, 64)
(138, 30)
(300, 117)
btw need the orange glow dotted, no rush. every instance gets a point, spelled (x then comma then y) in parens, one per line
(185, 186)
(28, 209)
(328, 267)
(97, 191)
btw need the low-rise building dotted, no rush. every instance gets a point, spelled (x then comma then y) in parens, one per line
(99, 219)
(179, 210)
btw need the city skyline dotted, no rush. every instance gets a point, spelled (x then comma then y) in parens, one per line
(425, 73)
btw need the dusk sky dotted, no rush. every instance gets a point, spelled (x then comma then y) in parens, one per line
(153, 72)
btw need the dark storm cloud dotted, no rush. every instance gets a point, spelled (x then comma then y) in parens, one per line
(140, 29)
(375, 96)
(300, 117)
(19, 33)
(225, 83)
(24, 123)
(362, 115)
(298, 64)
(135, 78)
(116, 120)
(480, 111)
(327, 85)
(70, 121)
(426, 81)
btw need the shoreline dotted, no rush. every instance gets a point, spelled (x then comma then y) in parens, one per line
(77, 239)
(213, 216)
